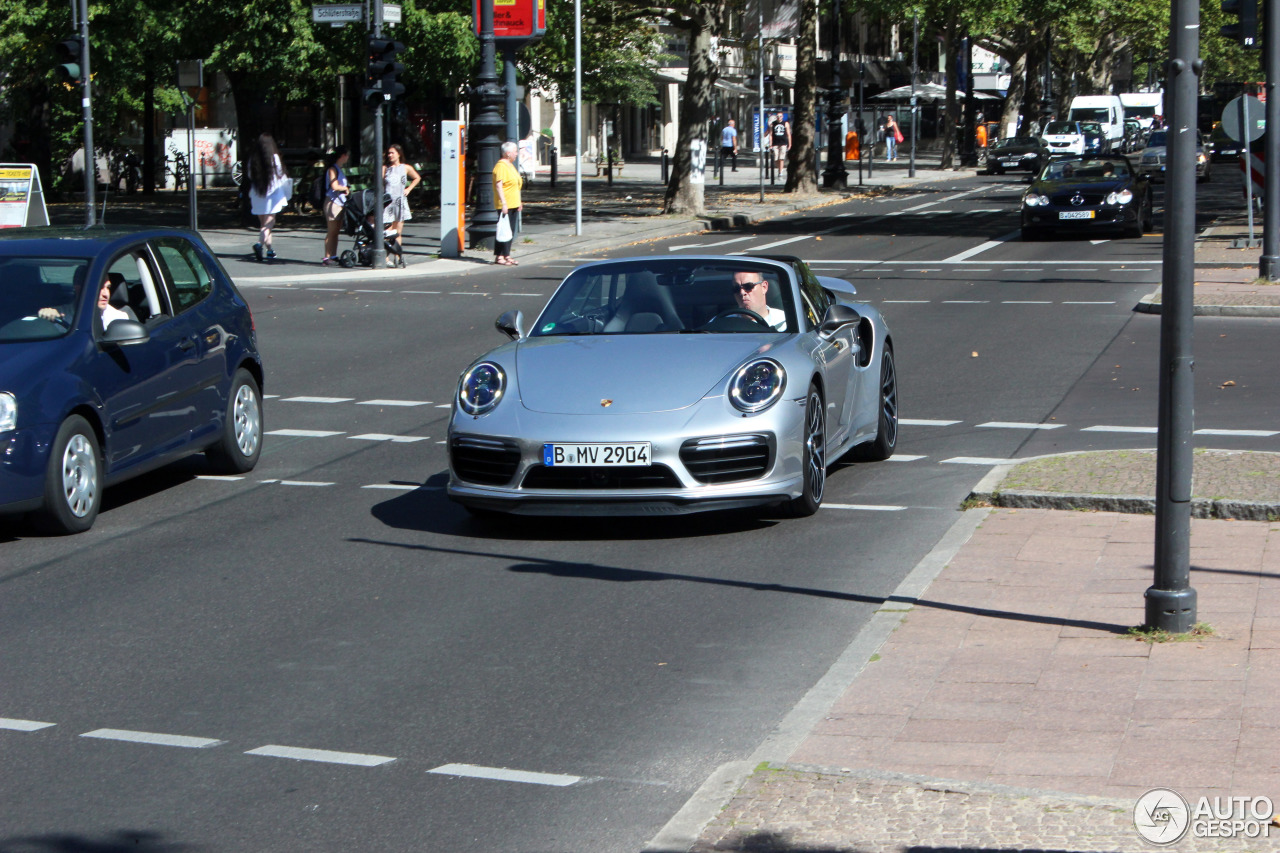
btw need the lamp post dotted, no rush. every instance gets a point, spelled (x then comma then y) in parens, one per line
(915, 104)
(488, 126)
(835, 175)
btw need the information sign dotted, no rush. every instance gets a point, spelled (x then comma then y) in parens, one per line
(21, 196)
(516, 20)
(338, 13)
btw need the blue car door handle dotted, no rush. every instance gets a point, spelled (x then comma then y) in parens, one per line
(187, 343)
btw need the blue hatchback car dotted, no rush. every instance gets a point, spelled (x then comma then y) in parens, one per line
(120, 351)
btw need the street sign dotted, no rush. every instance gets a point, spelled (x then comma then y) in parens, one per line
(391, 14)
(339, 14)
(1257, 119)
(516, 20)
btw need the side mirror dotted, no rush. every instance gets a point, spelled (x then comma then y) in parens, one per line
(125, 332)
(511, 324)
(838, 316)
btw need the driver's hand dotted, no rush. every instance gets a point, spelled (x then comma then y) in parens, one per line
(53, 315)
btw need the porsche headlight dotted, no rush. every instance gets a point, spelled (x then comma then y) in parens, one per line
(1035, 200)
(1122, 197)
(757, 385)
(8, 412)
(481, 388)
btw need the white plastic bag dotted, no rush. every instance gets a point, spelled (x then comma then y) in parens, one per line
(504, 234)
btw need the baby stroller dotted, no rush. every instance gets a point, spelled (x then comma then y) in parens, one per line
(359, 218)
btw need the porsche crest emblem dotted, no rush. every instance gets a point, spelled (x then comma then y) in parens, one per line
(606, 403)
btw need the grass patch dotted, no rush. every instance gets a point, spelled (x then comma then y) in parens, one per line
(1145, 634)
(974, 503)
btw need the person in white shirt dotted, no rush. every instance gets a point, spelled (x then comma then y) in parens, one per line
(750, 290)
(110, 313)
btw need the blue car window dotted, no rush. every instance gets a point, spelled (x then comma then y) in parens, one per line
(184, 271)
(38, 297)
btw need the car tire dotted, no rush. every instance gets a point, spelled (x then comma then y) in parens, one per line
(240, 444)
(813, 457)
(886, 440)
(72, 480)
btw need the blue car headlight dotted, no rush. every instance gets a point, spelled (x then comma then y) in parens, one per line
(481, 388)
(757, 385)
(8, 412)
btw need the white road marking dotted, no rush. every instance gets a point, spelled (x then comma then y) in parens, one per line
(303, 483)
(399, 439)
(708, 245)
(322, 755)
(1027, 302)
(23, 725)
(502, 774)
(905, 457)
(778, 243)
(329, 289)
(1105, 428)
(920, 422)
(317, 399)
(904, 301)
(373, 291)
(990, 244)
(466, 293)
(398, 487)
(524, 294)
(975, 460)
(153, 738)
(866, 507)
(1096, 242)
(965, 301)
(270, 396)
(423, 292)
(1017, 425)
(218, 477)
(304, 433)
(1259, 433)
(445, 406)
(1025, 269)
(394, 403)
(1112, 302)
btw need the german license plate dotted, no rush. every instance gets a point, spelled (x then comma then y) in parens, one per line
(1008, 163)
(1075, 214)
(607, 455)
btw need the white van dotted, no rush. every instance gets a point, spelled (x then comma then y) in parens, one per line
(1143, 106)
(1106, 110)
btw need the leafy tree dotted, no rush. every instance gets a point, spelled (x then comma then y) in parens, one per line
(802, 175)
(686, 190)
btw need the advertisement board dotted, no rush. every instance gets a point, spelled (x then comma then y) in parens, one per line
(516, 20)
(21, 197)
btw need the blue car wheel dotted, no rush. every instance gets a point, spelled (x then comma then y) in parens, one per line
(73, 479)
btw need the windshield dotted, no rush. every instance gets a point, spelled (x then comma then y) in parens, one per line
(1091, 114)
(670, 296)
(38, 297)
(1086, 171)
(1060, 128)
(1156, 138)
(1140, 111)
(1013, 142)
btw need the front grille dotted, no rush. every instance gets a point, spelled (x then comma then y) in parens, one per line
(1090, 199)
(491, 461)
(726, 459)
(601, 477)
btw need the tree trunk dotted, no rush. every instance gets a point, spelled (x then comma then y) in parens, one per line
(686, 190)
(802, 170)
(950, 112)
(1016, 95)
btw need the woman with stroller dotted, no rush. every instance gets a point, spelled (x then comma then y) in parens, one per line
(335, 196)
(269, 191)
(395, 177)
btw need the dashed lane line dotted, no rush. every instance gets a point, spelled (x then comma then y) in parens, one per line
(1017, 425)
(976, 460)
(324, 756)
(317, 400)
(305, 433)
(1108, 428)
(503, 774)
(23, 725)
(866, 507)
(905, 457)
(398, 439)
(405, 403)
(1258, 433)
(925, 422)
(154, 738)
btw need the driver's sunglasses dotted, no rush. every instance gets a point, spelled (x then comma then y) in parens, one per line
(746, 287)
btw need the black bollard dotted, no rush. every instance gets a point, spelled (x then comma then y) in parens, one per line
(666, 176)
(720, 163)
(555, 165)
(609, 168)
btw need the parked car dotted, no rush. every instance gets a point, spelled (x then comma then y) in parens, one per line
(1087, 194)
(85, 405)
(1152, 163)
(1095, 141)
(1016, 153)
(1223, 147)
(1063, 138)
(650, 386)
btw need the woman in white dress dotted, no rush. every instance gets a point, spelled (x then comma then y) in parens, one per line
(269, 189)
(398, 180)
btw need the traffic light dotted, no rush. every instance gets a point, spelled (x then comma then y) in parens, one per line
(381, 76)
(70, 52)
(1245, 32)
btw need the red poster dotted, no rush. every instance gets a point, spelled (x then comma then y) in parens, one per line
(516, 19)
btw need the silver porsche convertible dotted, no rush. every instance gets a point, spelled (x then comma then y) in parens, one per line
(672, 385)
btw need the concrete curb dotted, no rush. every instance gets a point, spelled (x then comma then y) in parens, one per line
(1151, 304)
(683, 830)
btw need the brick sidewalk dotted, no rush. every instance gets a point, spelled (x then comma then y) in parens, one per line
(1012, 688)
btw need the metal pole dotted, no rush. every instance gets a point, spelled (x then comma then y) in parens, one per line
(762, 122)
(488, 125)
(915, 108)
(509, 87)
(1170, 600)
(1269, 263)
(577, 115)
(375, 175)
(836, 175)
(86, 106)
(191, 165)
(1247, 149)
(861, 125)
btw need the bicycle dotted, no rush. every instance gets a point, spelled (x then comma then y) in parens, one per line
(180, 171)
(124, 166)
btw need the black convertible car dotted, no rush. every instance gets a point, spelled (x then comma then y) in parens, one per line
(1087, 194)
(1025, 153)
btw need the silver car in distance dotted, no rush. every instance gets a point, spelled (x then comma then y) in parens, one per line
(652, 386)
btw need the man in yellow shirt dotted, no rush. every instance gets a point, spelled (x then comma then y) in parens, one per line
(506, 198)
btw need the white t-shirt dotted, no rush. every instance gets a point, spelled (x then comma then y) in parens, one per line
(110, 314)
(777, 318)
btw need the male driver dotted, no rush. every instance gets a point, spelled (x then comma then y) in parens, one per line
(750, 290)
(780, 140)
(729, 145)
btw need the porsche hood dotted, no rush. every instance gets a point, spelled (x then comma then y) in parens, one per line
(629, 374)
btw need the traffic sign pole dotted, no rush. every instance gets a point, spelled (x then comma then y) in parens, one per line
(1269, 263)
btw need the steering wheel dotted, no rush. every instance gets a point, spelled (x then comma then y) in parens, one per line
(740, 312)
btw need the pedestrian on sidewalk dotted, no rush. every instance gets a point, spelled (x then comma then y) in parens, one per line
(335, 198)
(506, 198)
(892, 136)
(269, 190)
(729, 145)
(398, 180)
(780, 141)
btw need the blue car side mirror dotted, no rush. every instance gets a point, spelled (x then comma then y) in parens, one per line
(125, 332)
